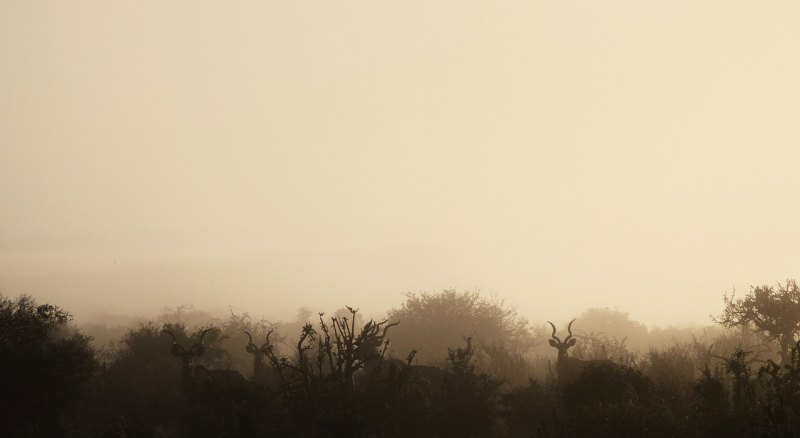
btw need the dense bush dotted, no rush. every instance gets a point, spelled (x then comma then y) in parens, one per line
(334, 378)
(431, 323)
(43, 365)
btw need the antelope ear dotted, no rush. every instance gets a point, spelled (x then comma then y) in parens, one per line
(553, 343)
(571, 343)
(251, 348)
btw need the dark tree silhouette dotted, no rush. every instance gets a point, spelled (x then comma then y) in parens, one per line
(614, 325)
(773, 311)
(43, 365)
(433, 323)
(336, 379)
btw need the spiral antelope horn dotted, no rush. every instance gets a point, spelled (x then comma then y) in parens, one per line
(569, 329)
(200, 346)
(176, 349)
(250, 337)
(554, 332)
(203, 335)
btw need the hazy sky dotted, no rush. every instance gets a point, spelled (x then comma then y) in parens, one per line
(634, 154)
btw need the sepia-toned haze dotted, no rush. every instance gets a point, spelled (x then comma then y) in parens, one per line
(640, 155)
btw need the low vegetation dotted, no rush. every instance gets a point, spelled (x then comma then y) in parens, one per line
(452, 364)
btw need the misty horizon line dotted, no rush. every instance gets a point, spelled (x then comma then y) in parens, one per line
(219, 314)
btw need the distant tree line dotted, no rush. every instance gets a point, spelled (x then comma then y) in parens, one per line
(451, 364)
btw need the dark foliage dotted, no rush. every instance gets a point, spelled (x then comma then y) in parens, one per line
(465, 405)
(774, 311)
(531, 410)
(432, 323)
(337, 381)
(608, 399)
(43, 365)
(781, 396)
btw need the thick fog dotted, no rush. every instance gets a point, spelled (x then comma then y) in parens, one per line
(273, 155)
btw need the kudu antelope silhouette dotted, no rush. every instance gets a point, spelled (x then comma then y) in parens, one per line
(198, 373)
(262, 372)
(568, 368)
